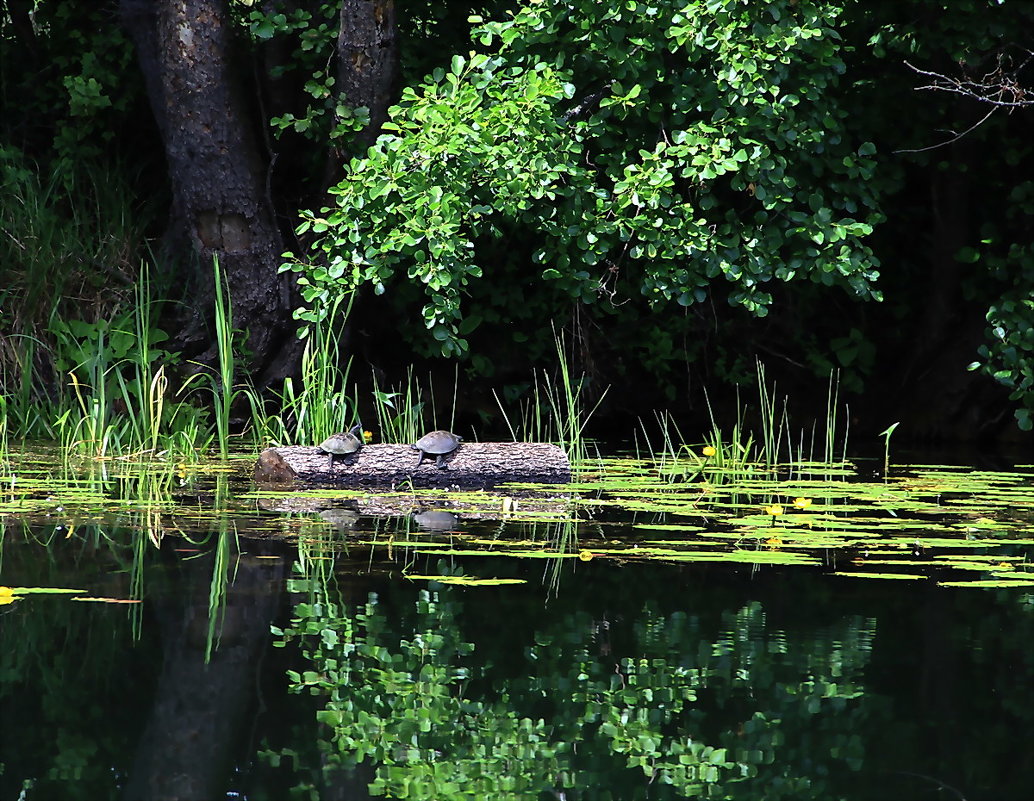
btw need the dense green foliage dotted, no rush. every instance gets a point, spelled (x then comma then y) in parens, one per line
(679, 186)
(716, 153)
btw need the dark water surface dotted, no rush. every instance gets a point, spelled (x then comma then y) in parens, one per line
(649, 681)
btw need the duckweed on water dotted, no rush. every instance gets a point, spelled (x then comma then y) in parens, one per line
(957, 527)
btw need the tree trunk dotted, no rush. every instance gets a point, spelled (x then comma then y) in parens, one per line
(368, 58)
(217, 173)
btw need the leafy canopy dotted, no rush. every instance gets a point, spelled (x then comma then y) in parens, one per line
(667, 143)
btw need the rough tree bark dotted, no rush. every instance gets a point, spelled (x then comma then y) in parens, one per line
(216, 168)
(368, 60)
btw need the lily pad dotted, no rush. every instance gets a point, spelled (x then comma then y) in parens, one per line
(466, 581)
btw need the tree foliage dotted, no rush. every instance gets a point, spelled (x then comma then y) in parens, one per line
(618, 165)
(632, 726)
(662, 145)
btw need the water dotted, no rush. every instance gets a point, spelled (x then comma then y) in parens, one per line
(788, 684)
(244, 645)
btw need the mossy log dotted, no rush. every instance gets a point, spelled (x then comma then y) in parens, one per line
(472, 464)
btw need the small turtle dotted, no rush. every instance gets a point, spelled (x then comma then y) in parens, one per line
(343, 444)
(437, 443)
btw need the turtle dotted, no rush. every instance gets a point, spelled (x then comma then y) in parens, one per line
(345, 444)
(437, 443)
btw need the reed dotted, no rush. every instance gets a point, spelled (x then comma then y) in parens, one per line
(531, 422)
(58, 225)
(223, 391)
(774, 425)
(401, 411)
(555, 410)
(832, 395)
(4, 443)
(29, 413)
(321, 404)
(567, 406)
(886, 448)
(220, 383)
(733, 454)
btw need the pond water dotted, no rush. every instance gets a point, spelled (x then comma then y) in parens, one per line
(652, 632)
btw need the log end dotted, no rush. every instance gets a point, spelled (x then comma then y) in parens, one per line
(272, 468)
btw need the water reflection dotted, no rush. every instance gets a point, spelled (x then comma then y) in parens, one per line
(655, 704)
(652, 682)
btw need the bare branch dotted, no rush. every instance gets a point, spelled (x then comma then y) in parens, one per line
(1000, 87)
(955, 138)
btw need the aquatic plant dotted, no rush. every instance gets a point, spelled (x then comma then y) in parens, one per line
(886, 434)
(400, 410)
(555, 411)
(221, 383)
(322, 404)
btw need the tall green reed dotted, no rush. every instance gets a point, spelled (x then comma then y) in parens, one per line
(556, 409)
(732, 454)
(322, 403)
(401, 410)
(220, 383)
(62, 228)
(30, 412)
(223, 391)
(119, 388)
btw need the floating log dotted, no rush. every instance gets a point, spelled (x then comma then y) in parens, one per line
(472, 464)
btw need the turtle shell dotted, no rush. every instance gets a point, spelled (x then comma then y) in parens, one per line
(343, 444)
(437, 442)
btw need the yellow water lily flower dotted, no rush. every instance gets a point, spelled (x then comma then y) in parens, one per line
(802, 503)
(585, 556)
(709, 451)
(775, 509)
(367, 437)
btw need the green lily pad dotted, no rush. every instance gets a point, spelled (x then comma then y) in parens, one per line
(466, 581)
(989, 583)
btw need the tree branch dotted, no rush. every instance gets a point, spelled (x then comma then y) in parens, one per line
(1000, 88)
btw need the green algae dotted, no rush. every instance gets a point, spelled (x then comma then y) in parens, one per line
(928, 518)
